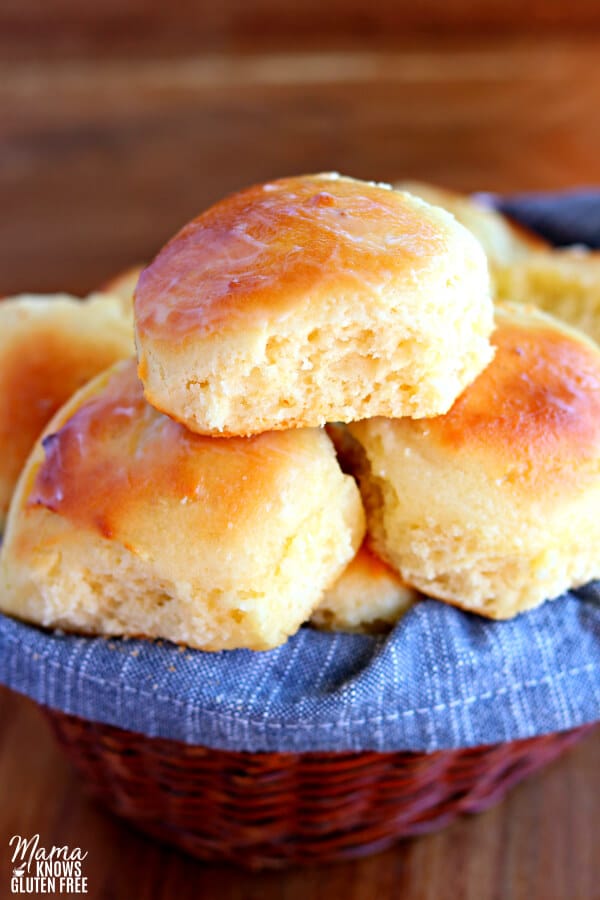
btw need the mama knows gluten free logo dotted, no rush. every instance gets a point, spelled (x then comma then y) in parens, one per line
(37, 870)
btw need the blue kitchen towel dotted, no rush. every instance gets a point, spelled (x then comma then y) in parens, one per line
(441, 679)
(571, 217)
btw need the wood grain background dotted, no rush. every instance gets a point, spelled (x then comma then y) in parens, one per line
(152, 26)
(102, 159)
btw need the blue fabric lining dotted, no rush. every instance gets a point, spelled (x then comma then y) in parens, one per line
(441, 679)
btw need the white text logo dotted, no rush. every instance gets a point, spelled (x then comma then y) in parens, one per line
(37, 870)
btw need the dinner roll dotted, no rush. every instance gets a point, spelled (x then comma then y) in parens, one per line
(125, 523)
(308, 300)
(367, 597)
(49, 347)
(565, 283)
(494, 506)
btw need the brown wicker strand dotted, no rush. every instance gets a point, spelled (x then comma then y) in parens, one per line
(275, 809)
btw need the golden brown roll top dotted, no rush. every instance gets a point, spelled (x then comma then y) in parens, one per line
(126, 523)
(312, 299)
(116, 458)
(260, 251)
(534, 413)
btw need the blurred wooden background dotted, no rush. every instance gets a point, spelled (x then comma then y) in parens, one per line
(121, 120)
(153, 26)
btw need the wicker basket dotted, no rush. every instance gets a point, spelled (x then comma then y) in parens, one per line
(276, 809)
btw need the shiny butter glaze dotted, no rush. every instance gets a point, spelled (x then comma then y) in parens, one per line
(257, 251)
(117, 462)
(537, 404)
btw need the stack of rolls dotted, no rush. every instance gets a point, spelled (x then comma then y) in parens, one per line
(325, 417)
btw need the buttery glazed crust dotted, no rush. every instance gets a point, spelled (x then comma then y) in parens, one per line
(493, 506)
(535, 410)
(49, 347)
(106, 466)
(126, 523)
(308, 300)
(261, 250)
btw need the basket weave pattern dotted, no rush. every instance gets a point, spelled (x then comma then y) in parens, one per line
(273, 809)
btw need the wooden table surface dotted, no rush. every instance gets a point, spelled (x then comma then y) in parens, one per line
(101, 159)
